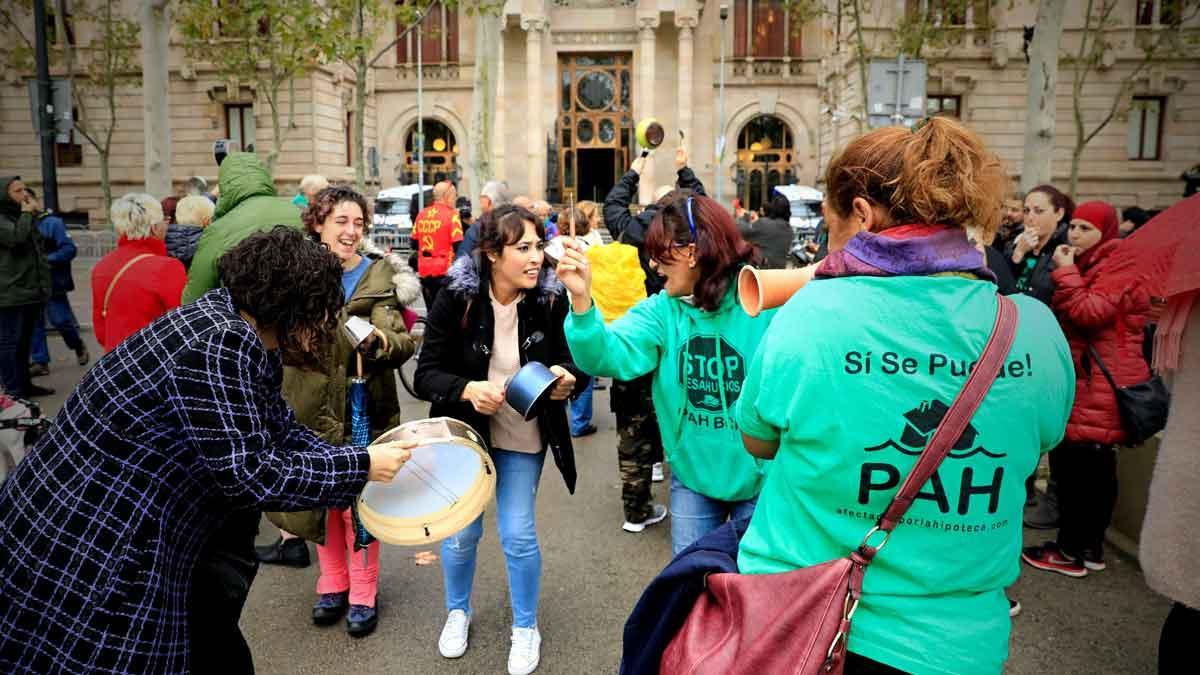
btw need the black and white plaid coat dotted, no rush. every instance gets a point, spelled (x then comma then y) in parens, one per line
(101, 525)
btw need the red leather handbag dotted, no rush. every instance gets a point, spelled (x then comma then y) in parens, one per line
(798, 622)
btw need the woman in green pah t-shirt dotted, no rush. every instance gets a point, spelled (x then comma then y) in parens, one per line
(856, 372)
(697, 340)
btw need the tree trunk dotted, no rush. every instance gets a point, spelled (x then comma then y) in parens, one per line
(276, 140)
(360, 100)
(360, 114)
(105, 185)
(483, 100)
(1076, 155)
(110, 93)
(155, 98)
(1042, 79)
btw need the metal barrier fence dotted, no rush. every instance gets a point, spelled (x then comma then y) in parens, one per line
(93, 243)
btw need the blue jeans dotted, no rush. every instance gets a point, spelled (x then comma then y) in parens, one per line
(59, 314)
(580, 409)
(693, 515)
(517, 476)
(16, 333)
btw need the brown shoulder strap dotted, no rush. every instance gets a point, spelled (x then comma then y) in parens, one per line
(112, 284)
(960, 413)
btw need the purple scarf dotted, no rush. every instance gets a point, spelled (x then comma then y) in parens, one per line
(907, 250)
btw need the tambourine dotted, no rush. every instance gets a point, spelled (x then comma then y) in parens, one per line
(439, 491)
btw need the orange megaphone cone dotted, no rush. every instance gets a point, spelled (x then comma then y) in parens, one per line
(766, 289)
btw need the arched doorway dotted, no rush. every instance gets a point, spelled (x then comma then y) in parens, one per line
(440, 154)
(766, 157)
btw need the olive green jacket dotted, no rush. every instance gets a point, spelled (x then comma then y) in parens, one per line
(319, 398)
(24, 272)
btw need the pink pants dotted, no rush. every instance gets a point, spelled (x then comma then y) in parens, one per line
(361, 579)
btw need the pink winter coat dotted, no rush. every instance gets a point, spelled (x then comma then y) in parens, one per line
(1111, 315)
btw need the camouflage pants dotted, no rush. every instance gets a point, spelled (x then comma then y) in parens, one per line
(639, 445)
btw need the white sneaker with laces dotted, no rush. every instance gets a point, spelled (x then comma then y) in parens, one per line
(656, 473)
(453, 642)
(657, 515)
(526, 651)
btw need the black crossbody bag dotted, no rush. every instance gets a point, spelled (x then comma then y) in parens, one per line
(1142, 406)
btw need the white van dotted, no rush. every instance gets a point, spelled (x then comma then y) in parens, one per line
(805, 210)
(391, 219)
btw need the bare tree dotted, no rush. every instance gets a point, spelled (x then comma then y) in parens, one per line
(1097, 51)
(268, 44)
(95, 70)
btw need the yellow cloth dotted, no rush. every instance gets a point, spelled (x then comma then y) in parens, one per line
(618, 281)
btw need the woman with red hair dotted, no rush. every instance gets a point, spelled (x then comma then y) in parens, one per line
(696, 339)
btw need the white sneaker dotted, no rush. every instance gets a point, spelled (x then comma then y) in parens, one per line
(657, 515)
(526, 651)
(656, 473)
(453, 642)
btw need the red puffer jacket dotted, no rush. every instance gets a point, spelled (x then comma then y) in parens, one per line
(1110, 314)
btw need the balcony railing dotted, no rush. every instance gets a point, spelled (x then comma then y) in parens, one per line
(435, 72)
(771, 69)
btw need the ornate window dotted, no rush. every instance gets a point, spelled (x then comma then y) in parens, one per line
(239, 125)
(938, 104)
(762, 29)
(965, 13)
(1169, 12)
(438, 34)
(1146, 127)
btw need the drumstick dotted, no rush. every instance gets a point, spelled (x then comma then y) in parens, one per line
(571, 211)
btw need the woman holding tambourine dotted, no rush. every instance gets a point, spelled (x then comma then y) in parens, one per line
(500, 309)
(337, 218)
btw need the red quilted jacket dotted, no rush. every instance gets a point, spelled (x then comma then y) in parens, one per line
(1110, 314)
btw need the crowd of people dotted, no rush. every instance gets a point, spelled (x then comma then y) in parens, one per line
(127, 543)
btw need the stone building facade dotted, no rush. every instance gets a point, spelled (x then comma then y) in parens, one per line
(576, 75)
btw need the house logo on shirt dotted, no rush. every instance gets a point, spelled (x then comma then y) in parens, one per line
(978, 486)
(706, 370)
(921, 422)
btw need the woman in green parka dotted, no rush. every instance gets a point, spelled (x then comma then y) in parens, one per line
(376, 289)
(697, 341)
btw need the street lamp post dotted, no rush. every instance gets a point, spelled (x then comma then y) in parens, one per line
(721, 105)
(420, 140)
(45, 111)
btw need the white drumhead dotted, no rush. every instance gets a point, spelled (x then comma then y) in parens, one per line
(438, 492)
(434, 479)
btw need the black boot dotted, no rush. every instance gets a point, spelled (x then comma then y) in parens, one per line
(330, 607)
(287, 552)
(362, 621)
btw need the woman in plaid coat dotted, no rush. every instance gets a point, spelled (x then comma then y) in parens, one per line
(180, 426)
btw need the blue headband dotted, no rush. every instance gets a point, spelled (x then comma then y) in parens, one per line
(691, 220)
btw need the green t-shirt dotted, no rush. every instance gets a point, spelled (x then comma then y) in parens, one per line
(852, 378)
(698, 359)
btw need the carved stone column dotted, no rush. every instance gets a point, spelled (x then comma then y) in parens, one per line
(647, 25)
(686, 25)
(536, 133)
